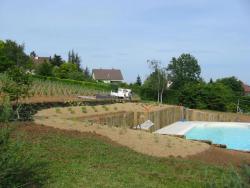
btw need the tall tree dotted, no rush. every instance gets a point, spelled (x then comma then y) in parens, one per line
(87, 73)
(56, 60)
(16, 85)
(138, 80)
(234, 84)
(33, 54)
(158, 79)
(74, 58)
(44, 69)
(184, 69)
(12, 54)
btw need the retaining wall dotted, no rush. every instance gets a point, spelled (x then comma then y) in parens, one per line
(164, 117)
(199, 115)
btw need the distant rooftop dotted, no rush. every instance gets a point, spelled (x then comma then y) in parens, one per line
(107, 74)
(246, 88)
(38, 59)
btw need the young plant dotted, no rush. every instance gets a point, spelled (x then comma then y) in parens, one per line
(94, 108)
(5, 109)
(58, 110)
(71, 110)
(84, 109)
(105, 108)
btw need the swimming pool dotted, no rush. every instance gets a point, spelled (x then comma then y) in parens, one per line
(233, 135)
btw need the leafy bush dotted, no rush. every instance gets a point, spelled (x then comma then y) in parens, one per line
(214, 96)
(6, 111)
(16, 168)
(84, 109)
(44, 69)
(94, 108)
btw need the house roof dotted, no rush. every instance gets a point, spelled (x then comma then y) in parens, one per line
(107, 74)
(246, 88)
(40, 59)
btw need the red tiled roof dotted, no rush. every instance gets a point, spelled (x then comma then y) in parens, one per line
(246, 88)
(107, 74)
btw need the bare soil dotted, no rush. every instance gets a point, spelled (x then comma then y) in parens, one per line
(213, 155)
(144, 142)
(41, 99)
(220, 156)
(140, 141)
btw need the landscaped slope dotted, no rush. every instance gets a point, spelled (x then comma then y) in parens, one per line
(73, 159)
(117, 123)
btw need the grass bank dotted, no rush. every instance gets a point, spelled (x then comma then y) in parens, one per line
(87, 160)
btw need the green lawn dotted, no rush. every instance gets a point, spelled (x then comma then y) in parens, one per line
(83, 160)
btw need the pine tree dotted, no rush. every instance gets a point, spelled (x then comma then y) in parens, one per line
(87, 73)
(74, 58)
(138, 80)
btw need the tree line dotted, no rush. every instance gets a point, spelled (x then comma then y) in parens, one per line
(12, 54)
(180, 83)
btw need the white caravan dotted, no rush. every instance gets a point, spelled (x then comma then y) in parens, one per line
(122, 93)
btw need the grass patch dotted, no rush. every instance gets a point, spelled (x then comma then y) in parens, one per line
(84, 109)
(85, 160)
(105, 108)
(94, 108)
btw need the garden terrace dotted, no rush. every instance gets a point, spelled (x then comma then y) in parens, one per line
(114, 121)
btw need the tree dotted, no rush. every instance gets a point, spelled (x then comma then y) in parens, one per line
(184, 69)
(16, 85)
(75, 59)
(12, 54)
(158, 79)
(138, 80)
(44, 69)
(214, 96)
(87, 73)
(234, 84)
(68, 71)
(33, 54)
(56, 60)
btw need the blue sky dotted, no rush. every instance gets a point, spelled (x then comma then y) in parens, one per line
(125, 33)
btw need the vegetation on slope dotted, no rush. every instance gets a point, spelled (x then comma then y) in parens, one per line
(86, 160)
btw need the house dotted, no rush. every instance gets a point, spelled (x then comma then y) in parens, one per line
(107, 75)
(39, 60)
(246, 89)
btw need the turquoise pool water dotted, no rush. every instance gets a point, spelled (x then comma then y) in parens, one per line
(235, 137)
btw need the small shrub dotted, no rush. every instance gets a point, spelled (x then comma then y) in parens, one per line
(6, 111)
(115, 108)
(17, 168)
(58, 110)
(71, 110)
(84, 109)
(105, 108)
(94, 108)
